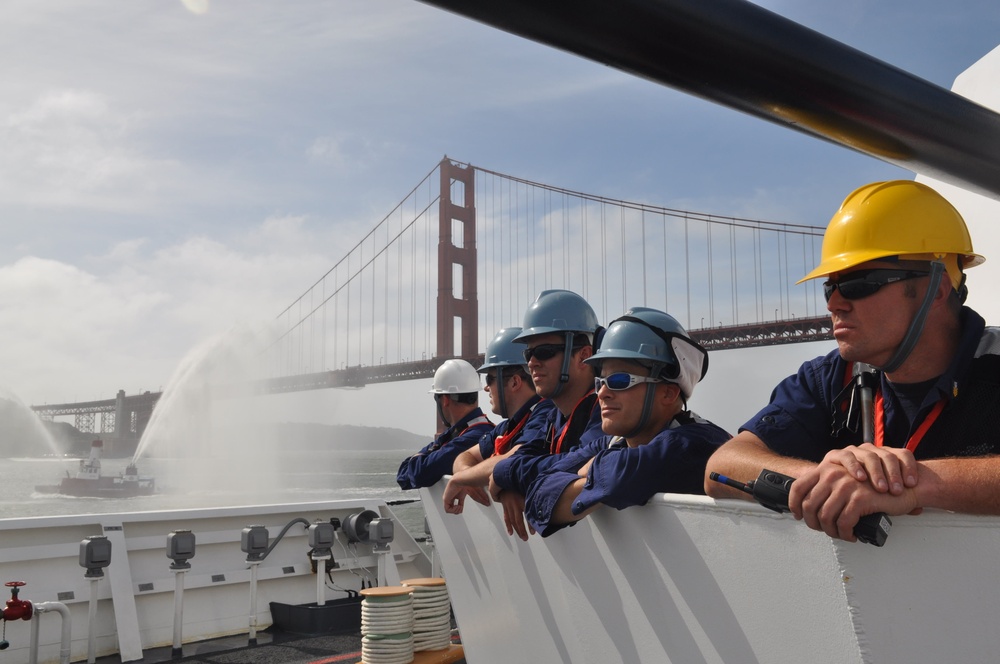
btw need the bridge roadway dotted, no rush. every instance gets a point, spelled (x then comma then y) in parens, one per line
(774, 333)
(779, 332)
(123, 419)
(135, 403)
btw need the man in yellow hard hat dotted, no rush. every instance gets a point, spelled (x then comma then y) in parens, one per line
(904, 414)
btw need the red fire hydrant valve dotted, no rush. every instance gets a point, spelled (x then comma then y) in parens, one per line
(16, 608)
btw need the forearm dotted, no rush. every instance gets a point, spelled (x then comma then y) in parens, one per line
(518, 471)
(549, 504)
(477, 475)
(563, 512)
(742, 459)
(967, 485)
(467, 459)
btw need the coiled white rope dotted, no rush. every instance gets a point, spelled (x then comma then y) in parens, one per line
(431, 614)
(387, 625)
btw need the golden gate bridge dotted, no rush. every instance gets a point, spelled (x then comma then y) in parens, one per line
(465, 252)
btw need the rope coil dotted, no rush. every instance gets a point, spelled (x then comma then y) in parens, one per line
(387, 626)
(432, 614)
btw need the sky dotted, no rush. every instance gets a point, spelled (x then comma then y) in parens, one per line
(173, 171)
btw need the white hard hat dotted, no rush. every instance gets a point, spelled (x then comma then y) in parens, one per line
(455, 377)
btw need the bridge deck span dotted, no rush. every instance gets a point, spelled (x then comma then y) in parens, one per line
(774, 333)
(751, 335)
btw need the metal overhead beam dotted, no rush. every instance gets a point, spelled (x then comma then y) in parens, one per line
(740, 55)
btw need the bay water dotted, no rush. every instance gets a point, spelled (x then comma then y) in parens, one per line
(185, 483)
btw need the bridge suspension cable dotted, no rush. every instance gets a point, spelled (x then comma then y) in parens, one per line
(379, 307)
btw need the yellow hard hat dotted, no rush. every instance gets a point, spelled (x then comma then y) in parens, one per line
(897, 218)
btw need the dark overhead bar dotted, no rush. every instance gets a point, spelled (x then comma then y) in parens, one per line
(743, 56)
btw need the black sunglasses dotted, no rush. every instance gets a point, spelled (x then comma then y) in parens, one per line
(861, 284)
(543, 352)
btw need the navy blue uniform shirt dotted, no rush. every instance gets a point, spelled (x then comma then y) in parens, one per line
(536, 410)
(805, 418)
(621, 476)
(518, 471)
(435, 460)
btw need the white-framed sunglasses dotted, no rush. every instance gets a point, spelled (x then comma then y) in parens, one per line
(621, 380)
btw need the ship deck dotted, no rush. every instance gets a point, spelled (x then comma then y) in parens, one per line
(282, 648)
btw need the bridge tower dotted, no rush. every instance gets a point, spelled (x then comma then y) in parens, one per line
(457, 262)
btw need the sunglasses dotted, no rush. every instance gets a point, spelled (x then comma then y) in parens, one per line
(861, 284)
(490, 379)
(622, 381)
(543, 352)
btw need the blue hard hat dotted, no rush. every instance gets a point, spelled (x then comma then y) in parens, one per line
(558, 311)
(502, 351)
(655, 339)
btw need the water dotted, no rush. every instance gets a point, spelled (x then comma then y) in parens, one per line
(209, 445)
(294, 477)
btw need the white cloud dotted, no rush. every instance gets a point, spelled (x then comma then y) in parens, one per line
(347, 151)
(168, 173)
(85, 334)
(69, 148)
(196, 6)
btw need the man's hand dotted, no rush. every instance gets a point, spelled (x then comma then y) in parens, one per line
(831, 498)
(495, 489)
(887, 468)
(455, 493)
(513, 514)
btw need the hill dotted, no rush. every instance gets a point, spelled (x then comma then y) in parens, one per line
(308, 436)
(22, 434)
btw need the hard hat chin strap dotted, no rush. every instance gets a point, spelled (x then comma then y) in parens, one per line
(501, 397)
(440, 410)
(647, 410)
(917, 326)
(564, 370)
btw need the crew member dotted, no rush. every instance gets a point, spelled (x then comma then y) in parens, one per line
(559, 333)
(894, 259)
(456, 394)
(512, 397)
(648, 366)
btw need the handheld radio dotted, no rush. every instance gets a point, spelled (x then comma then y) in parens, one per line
(771, 488)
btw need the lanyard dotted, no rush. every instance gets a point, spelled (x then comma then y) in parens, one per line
(557, 445)
(503, 441)
(453, 432)
(479, 421)
(917, 436)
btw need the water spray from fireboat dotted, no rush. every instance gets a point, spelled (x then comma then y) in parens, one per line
(205, 439)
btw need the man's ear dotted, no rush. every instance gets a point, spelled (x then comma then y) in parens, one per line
(945, 288)
(672, 392)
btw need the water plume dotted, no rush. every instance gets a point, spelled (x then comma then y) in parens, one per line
(205, 432)
(22, 433)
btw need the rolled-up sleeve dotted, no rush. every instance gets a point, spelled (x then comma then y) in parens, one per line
(798, 419)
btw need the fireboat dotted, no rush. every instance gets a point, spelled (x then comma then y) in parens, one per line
(89, 482)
